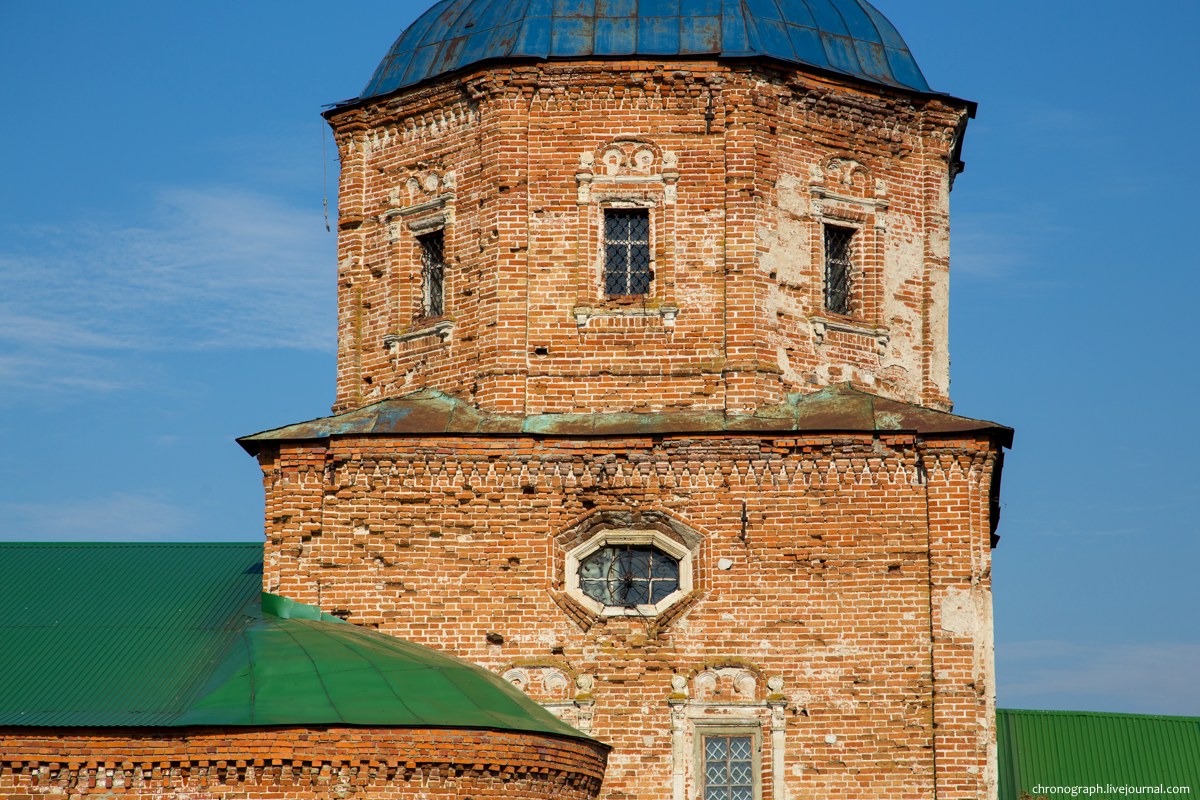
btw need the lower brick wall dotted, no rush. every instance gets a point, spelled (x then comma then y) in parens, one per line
(839, 611)
(297, 763)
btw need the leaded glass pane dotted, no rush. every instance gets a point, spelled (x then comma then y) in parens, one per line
(627, 251)
(715, 774)
(739, 748)
(728, 768)
(628, 575)
(714, 747)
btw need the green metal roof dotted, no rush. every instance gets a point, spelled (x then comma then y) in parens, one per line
(1077, 748)
(152, 635)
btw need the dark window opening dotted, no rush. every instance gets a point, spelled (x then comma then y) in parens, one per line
(629, 575)
(627, 251)
(728, 768)
(433, 273)
(839, 257)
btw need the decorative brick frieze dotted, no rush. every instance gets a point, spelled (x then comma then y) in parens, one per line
(296, 763)
(832, 565)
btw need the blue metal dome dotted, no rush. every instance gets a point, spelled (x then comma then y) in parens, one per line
(848, 37)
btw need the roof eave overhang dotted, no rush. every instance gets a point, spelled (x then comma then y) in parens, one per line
(341, 106)
(833, 411)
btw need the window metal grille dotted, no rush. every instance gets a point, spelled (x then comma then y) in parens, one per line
(839, 257)
(628, 575)
(728, 768)
(433, 273)
(627, 251)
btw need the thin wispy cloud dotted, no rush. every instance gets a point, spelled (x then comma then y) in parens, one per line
(206, 268)
(1155, 677)
(117, 517)
(999, 246)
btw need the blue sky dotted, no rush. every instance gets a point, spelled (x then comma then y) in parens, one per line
(167, 284)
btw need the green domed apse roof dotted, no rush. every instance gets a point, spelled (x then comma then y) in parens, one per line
(293, 664)
(170, 635)
(846, 37)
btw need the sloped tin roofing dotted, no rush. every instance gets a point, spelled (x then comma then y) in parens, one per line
(1042, 749)
(170, 635)
(848, 37)
(838, 409)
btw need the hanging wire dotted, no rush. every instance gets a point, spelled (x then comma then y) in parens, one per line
(324, 179)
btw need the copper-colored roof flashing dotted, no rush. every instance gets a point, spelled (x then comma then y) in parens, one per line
(837, 409)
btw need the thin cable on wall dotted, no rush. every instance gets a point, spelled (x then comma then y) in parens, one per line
(324, 179)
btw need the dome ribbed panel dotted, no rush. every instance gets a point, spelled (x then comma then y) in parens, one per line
(849, 37)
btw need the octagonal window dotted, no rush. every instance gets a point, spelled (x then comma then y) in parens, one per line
(629, 575)
(621, 571)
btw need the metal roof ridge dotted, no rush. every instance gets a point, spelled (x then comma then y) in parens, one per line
(1117, 714)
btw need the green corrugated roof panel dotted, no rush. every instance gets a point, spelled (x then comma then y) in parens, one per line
(1077, 748)
(116, 634)
(181, 635)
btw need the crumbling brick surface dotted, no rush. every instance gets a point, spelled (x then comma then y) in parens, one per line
(840, 608)
(296, 764)
(839, 611)
(741, 166)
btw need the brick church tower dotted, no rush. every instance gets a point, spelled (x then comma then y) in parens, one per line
(642, 395)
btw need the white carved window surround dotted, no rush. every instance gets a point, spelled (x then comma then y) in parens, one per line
(625, 173)
(617, 537)
(727, 702)
(564, 694)
(421, 206)
(846, 196)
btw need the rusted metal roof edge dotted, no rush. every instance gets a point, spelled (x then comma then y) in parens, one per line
(834, 410)
(335, 108)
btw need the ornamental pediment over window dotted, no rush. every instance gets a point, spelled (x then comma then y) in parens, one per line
(843, 179)
(424, 199)
(627, 161)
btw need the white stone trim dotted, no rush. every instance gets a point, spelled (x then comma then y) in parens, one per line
(585, 314)
(692, 718)
(821, 325)
(441, 329)
(613, 536)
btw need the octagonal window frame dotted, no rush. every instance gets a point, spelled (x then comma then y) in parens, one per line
(629, 536)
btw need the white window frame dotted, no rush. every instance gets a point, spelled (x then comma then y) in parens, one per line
(620, 536)
(753, 730)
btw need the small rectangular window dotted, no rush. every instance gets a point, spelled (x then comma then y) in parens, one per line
(728, 768)
(433, 273)
(627, 251)
(839, 261)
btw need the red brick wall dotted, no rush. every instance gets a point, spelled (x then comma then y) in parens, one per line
(855, 569)
(296, 764)
(747, 164)
(842, 599)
